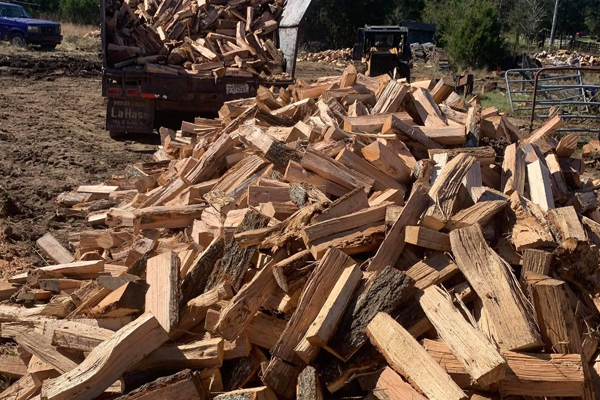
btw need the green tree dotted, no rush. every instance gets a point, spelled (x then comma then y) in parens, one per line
(336, 22)
(469, 30)
(80, 11)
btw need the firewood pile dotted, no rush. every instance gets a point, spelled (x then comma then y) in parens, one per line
(337, 57)
(430, 54)
(564, 58)
(222, 38)
(345, 238)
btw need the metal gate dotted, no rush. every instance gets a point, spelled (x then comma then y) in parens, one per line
(537, 90)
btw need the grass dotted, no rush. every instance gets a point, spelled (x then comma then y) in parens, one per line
(74, 37)
(496, 99)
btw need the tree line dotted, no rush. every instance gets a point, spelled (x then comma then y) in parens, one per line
(473, 32)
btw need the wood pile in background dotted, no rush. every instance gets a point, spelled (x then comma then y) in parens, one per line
(216, 38)
(341, 239)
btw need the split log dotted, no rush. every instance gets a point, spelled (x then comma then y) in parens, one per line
(314, 295)
(406, 356)
(497, 288)
(162, 298)
(445, 190)
(473, 349)
(107, 362)
(385, 291)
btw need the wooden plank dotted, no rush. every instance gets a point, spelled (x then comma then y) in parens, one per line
(412, 136)
(325, 324)
(76, 270)
(444, 191)
(473, 349)
(510, 315)
(406, 356)
(559, 184)
(385, 291)
(53, 249)
(427, 238)
(162, 298)
(167, 217)
(311, 301)
(107, 362)
(485, 155)
(390, 250)
(540, 187)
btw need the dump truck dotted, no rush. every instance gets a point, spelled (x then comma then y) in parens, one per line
(139, 102)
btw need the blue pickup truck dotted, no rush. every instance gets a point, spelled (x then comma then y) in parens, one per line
(17, 27)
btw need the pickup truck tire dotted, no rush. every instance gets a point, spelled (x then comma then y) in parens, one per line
(16, 39)
(48, 47)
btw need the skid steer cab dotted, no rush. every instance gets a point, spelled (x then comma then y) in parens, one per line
(383, 49)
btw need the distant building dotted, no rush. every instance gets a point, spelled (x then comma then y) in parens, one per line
(419, 32)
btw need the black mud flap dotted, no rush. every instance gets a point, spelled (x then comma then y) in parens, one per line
(130, 115)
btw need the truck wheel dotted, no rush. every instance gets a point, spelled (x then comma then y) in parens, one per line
(17, 40)
(116, 135)
(48, 47)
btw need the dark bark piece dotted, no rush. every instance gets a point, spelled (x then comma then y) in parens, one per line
(235, 259)
(194, 283)
(186, 381)
(385, 293)
(240, 371)
(335, 373)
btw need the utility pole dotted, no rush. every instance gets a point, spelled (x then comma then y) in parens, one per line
(553, 33)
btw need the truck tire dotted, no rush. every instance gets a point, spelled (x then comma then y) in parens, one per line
(48, 47)
(17, 40)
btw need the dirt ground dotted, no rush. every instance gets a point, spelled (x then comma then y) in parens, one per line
(52, 139)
